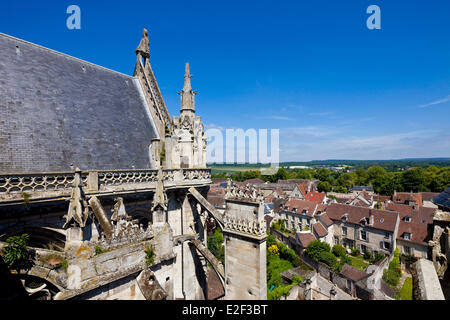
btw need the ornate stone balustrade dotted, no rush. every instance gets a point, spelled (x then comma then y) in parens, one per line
(25, 187)
(256, 229)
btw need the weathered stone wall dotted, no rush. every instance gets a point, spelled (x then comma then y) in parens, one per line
(244, 264)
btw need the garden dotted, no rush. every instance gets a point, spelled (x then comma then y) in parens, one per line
(337, 256)
(279, 259)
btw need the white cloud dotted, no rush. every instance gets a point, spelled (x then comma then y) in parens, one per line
(443, 100)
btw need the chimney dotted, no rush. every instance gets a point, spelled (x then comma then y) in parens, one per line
(370, 217)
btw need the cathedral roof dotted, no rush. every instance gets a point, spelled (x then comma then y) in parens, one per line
(59, 112)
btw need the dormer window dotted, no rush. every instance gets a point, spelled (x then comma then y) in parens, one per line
(407, 219)
(304, 211)
(407, 236)
(286, 208)
(319, 213)
(294, 210)
(363, 235)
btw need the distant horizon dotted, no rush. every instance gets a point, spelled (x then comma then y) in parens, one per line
(295, 161)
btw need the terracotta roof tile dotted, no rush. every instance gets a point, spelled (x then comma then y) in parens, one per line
(320, 230)
(353, 273)
(383, 219)
(315, 196)
(305, 238)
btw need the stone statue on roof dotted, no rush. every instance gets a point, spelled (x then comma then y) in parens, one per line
(143, 48)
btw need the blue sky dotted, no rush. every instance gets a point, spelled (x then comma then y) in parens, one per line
(334, 88)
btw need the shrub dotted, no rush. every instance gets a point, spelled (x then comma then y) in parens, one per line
(328, 258)
(339, 251)
(346, 259)
(100, 250)
(15, 253)
(279, 292)
(315, 248)
(273, 249)
(367, 255)
(297, 279)
(149, 256)
(356, 252)
(378, 257)
(391, 277)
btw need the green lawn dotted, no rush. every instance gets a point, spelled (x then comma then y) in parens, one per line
(358, 262)
(406, 291)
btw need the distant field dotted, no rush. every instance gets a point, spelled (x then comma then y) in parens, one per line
(231, 170)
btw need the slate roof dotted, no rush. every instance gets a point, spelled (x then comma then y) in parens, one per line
(443, 199)
(361, 188)
(57, 111)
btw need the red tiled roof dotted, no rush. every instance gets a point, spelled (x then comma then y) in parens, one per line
(428, 196)
(384, 220)
(418, 231)
(254, 181)
(353, 273)
(319, 230)
(380, 198)
(417, 214)
(305, 238)
(325, 219)
(403, 197)
(315, 196)
(302, 189)
(301, 205)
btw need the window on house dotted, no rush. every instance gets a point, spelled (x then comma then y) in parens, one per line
(294, 210)
(407, 236)
(407, 219)
(336, 240)
(363, 235)
(363, 248)
(344, 231)
(386, 245)
(407, 250)
(386, 235)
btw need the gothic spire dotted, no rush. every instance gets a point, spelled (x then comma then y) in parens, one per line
(187, 95)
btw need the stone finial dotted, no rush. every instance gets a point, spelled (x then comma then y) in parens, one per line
(143, 48)
(78, 210)
(160, 198)
(187, 95)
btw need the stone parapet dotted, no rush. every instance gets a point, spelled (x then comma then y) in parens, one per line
(20, 188)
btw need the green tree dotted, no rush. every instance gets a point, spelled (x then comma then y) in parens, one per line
(323, 175)
(324, 186)
(361, 177)
(340, 189)
(15, 253)
(414, 180)
(315, 247)
(339, 251)
(303, 174)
